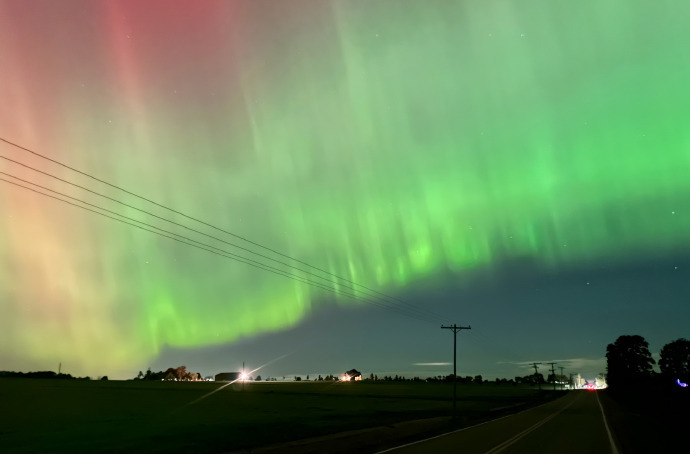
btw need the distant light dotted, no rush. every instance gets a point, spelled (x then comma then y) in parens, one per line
(681, 384)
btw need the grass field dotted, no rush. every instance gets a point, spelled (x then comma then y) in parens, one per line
(138, 416)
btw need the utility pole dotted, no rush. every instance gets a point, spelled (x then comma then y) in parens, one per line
(536, 374)
(561, 368)
(553, 374)
(455, 329)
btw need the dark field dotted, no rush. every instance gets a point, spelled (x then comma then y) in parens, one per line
(137, 416)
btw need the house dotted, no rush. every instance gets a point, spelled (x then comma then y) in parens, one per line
(351, 375)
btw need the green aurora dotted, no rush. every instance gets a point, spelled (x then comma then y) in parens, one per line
(386, 142)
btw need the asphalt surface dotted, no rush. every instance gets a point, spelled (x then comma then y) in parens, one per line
(573, 424)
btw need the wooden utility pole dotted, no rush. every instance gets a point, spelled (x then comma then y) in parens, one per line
(561, 368)
(553, 374)
(455, 329)
(536, 374)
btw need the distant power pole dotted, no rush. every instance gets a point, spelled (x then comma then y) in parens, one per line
(553, 374)
(59, 368)
(536, 373)
(455, 329)
(561, 368)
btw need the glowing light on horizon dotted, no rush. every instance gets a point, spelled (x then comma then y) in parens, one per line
(242, 377)
(346, 377)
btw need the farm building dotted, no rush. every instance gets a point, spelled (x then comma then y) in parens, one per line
(351, 375)
(227, 376)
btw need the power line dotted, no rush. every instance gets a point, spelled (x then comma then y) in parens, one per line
(223, 254)
(199, 245)
(86, 174)
(402, 302)
(410, 308)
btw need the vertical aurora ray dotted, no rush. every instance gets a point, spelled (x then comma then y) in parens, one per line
(384, 141)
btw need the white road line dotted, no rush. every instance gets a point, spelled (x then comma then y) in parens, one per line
(614, 450)
(464, 428)
(447, 433)
(500, 447)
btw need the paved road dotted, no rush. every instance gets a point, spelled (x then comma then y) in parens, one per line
(573, 424)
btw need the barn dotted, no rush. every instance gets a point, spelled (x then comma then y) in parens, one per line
(227, 376)
(351, 375)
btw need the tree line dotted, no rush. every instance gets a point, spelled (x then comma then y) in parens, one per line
(532, 379)
(630, 364)
(170, 374)
(44, 374)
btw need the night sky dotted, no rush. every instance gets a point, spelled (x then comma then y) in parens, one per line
(519, 166)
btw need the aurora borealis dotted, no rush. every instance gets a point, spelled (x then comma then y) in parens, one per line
(391, 142)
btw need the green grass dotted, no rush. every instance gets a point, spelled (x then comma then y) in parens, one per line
(137, 416)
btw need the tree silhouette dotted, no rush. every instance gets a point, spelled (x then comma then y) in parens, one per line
(675, 360)
(180, 373)
(628, 362)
